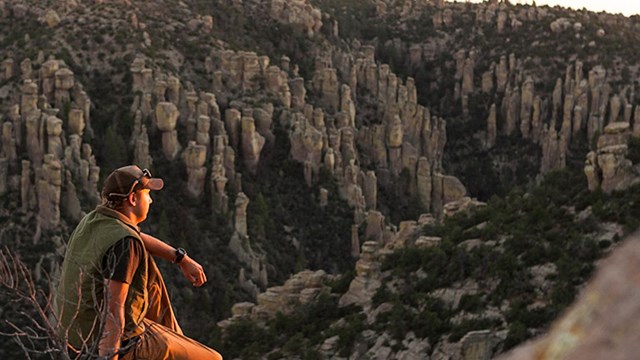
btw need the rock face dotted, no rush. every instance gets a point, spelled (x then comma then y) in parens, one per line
(601, 324)
(608, 168)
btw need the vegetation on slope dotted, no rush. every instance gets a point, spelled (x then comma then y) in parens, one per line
(557, 224)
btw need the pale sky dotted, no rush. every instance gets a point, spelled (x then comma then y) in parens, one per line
(626, 7)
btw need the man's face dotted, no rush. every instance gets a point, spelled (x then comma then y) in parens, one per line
(143, 200)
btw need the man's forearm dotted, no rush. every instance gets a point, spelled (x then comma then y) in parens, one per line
(110, 342)
(190, 268)
(157, 247)
(115, 296)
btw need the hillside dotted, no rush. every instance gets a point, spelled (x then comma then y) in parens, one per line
(399, 178)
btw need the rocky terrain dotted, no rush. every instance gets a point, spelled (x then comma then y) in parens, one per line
(363, 179)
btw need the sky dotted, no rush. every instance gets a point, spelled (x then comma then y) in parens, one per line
(626, 7)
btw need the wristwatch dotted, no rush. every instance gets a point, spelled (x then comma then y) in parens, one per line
(180, 254)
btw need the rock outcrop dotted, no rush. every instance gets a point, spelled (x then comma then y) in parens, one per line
(300, 288)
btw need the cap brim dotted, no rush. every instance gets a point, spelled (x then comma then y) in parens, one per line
(155, 184)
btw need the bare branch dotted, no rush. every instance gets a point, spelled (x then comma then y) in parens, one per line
(40, 335)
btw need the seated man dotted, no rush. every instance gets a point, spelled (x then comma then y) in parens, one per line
(112, 300)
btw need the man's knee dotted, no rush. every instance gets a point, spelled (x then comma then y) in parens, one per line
(216, 355)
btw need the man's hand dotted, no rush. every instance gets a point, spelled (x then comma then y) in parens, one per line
(193, 271)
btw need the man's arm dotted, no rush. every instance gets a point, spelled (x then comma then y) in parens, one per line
(192, 271)
(116, 294)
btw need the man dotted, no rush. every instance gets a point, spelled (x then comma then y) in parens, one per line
(112, 300)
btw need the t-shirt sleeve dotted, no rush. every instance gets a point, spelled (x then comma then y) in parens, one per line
(121, 260)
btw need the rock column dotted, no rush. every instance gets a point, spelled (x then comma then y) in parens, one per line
(49, 185)
(220, 200)
(54, 141)
(367, 280)
(4, 175)
(8, 149)
(31, 115)
(166, 117)
(64, 81)
(252, 143)
(195, 157)
(424, 185)
(242, 201)
(492, 128)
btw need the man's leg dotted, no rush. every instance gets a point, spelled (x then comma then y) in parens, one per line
(159, 310)
(162, 343)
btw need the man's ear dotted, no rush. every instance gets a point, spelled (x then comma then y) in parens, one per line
(132, 199)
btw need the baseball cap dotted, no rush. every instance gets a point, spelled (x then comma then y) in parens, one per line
(125, 180)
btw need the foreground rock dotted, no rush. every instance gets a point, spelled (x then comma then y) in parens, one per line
(602, 323)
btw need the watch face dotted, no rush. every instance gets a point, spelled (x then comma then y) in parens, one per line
(180, 253)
